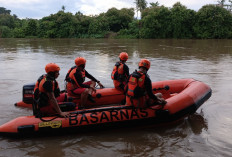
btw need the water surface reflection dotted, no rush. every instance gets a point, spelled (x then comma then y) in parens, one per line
(205, 133)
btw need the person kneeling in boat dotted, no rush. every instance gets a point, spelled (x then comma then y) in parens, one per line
(139, 88)
(75, 82)
(46, 91)
(120, 72)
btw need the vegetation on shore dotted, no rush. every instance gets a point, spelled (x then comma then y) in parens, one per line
(157, 22)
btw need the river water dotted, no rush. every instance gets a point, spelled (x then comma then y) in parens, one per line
(206, 133)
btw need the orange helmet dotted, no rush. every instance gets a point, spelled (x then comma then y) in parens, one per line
(145, 63)
(79, 61)
(123, 56)
(52, 67)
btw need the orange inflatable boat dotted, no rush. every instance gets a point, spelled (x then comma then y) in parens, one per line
(183, 97)
(103, 96)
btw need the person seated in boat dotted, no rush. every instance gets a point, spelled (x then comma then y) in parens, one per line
(139, 88)
(75, 82)
(46, 91)
(120, 72)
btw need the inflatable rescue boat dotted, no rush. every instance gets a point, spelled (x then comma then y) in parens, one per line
(103, 96)
(183, 98)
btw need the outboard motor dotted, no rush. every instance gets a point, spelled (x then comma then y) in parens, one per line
(28, 91)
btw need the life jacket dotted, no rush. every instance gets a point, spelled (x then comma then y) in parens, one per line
(43, 98)
(118, 72)
(36, 88)
(67, 78)
(70, 78)
(136, 87)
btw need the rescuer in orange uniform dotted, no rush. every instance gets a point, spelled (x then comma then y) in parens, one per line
(120, 72)
(139, 88)
(76, 82)
(47, 90)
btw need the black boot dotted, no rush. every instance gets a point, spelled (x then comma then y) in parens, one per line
(90, 98)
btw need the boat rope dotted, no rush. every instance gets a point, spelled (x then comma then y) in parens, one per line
(40, 116)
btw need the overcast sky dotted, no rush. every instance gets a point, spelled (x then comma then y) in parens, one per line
(38, 9)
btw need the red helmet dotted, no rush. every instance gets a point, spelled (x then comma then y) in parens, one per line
(52, 67)
(123, 56)
(79, 61)
(145, 63)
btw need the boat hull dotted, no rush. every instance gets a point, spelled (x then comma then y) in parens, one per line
(184, 97)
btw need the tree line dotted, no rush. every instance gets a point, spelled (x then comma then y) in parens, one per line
(156, 22)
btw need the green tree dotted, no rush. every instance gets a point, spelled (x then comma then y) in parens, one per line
(126, 16)
(7, 20)
(65, 24)
(112, 16)
(4, 11)
(156, 22)
(119, 19)
(45, 27)
(182, 21)
(140, 5)
(230, 6)
(8, 23)
(156, 4)
(59, 25)
(132, 31)
(221, 2)
(63, 8)
(99, 26)
(213, 22)
(18, 33)
(5, 32)
(31, 28)
(82, 25)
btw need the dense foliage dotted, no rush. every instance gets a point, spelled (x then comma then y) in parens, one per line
(213, 22)
(156, 21)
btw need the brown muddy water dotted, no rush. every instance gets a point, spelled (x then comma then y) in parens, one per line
(206, 133)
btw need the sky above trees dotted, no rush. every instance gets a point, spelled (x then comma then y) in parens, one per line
(40, 8)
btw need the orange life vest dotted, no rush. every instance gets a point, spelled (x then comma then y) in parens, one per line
(136, 86)
(70, 78)
(67, 78)
(41, 89)
(43, 101)
(36, 88)
(118, 72)
(56, 89)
